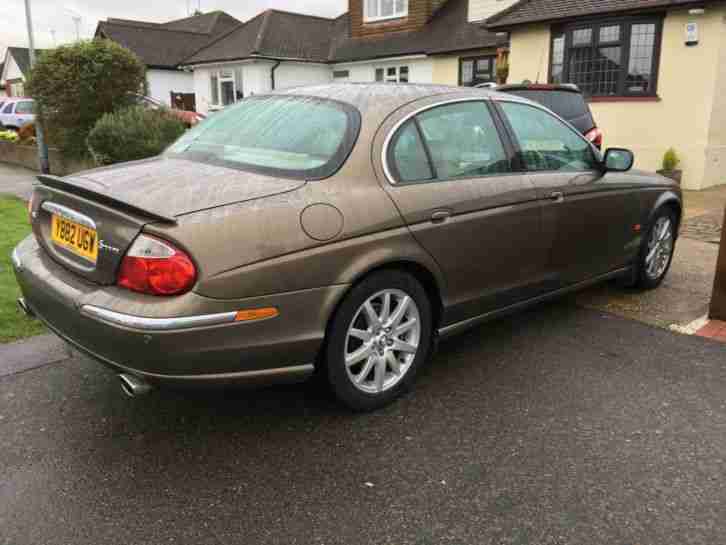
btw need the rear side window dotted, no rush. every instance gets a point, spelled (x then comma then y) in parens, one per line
(409, 156)
(547, 144)
(25, 107)
(568, 105)
(452, 141)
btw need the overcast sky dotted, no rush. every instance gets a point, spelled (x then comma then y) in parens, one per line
(56, 16)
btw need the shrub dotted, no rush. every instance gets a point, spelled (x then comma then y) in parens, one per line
(8, 136)
(133, 133)
(670, 160)
(75, 85)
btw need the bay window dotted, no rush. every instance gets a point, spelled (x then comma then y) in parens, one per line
(379, 10)
(616, 57)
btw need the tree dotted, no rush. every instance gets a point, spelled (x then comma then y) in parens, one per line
(75, 85)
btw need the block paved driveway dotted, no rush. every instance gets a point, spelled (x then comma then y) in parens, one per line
(562, 425)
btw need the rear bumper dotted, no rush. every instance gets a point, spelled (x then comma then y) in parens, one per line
(188, 340)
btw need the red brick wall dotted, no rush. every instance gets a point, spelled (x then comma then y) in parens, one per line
(419, 12)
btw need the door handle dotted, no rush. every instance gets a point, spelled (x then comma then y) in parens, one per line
(440, 216)
(557, 196)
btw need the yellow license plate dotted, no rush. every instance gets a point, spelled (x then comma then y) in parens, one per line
(75, 237)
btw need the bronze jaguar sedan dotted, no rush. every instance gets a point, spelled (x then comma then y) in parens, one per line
(339, 229)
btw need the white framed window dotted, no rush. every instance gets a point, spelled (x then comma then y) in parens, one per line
(380, 10)
(225, 86)
(393, 74)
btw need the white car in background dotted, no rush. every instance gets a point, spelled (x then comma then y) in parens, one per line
(16, 112)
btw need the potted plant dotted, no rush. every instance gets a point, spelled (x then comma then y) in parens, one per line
(670, 166)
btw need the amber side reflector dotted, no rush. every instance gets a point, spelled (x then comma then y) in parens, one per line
(255, 314)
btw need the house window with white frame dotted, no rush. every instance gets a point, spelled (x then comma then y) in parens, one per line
(380, 10)
(393, 74)
(225, 86)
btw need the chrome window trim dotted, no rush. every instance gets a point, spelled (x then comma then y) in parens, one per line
(157, 324)
(499, 97)
(394, 129)
(68, 214)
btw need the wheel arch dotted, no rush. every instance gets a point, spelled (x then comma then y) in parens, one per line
(671, 200)
(421, 272)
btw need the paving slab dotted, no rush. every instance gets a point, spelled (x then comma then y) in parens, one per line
(30, 353)
(15, 180)
(683, 297)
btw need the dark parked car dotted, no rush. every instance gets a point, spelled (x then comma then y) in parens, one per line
(565, 100)
(341, 228)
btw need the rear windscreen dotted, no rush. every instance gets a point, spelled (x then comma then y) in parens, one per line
(569, 106)
(283, 135)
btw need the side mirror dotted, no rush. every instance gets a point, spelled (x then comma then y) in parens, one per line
(618, 160)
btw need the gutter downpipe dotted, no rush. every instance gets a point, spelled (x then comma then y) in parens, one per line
(272, 73)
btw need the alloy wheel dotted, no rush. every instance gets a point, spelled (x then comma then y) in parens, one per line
(382, 341)
(660, 247)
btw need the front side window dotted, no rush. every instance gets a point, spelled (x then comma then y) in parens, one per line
(476, 70)
(24, 107)
(377, 10)
(545, 143)
(297, 137)
(610, 58)
(9, 108)
(448, 142)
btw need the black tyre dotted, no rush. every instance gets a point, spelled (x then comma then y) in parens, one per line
(379, 339)
(656, 250)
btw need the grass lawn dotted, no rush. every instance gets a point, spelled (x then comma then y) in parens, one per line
(14, 227)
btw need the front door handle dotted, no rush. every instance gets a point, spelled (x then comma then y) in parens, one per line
(557, 196)
(440, 216)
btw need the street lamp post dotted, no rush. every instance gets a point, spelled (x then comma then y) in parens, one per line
(42, 149)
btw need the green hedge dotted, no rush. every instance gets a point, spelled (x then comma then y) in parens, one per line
(133, 133)
(74, 85)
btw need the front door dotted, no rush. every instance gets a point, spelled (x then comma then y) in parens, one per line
(591, 215)
(478, 219)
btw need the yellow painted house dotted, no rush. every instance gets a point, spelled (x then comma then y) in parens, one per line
(654, 72)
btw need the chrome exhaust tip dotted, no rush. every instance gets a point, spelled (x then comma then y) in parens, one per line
(133, 386)
(25, 308)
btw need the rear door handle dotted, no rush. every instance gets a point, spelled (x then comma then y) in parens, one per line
(557, 196)
(440, 216)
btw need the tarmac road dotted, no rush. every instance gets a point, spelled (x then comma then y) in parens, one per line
(562, 425)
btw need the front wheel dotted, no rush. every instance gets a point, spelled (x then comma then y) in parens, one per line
(656, 253)
(378, 340)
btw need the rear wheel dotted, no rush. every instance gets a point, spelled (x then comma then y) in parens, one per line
(378, 341)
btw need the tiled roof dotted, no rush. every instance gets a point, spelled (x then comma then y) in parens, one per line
(22, 57)
(279, 34)
(166, 45)
(534, 11)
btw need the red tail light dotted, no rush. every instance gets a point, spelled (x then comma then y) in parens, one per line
(595, 136)
(156, 267)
